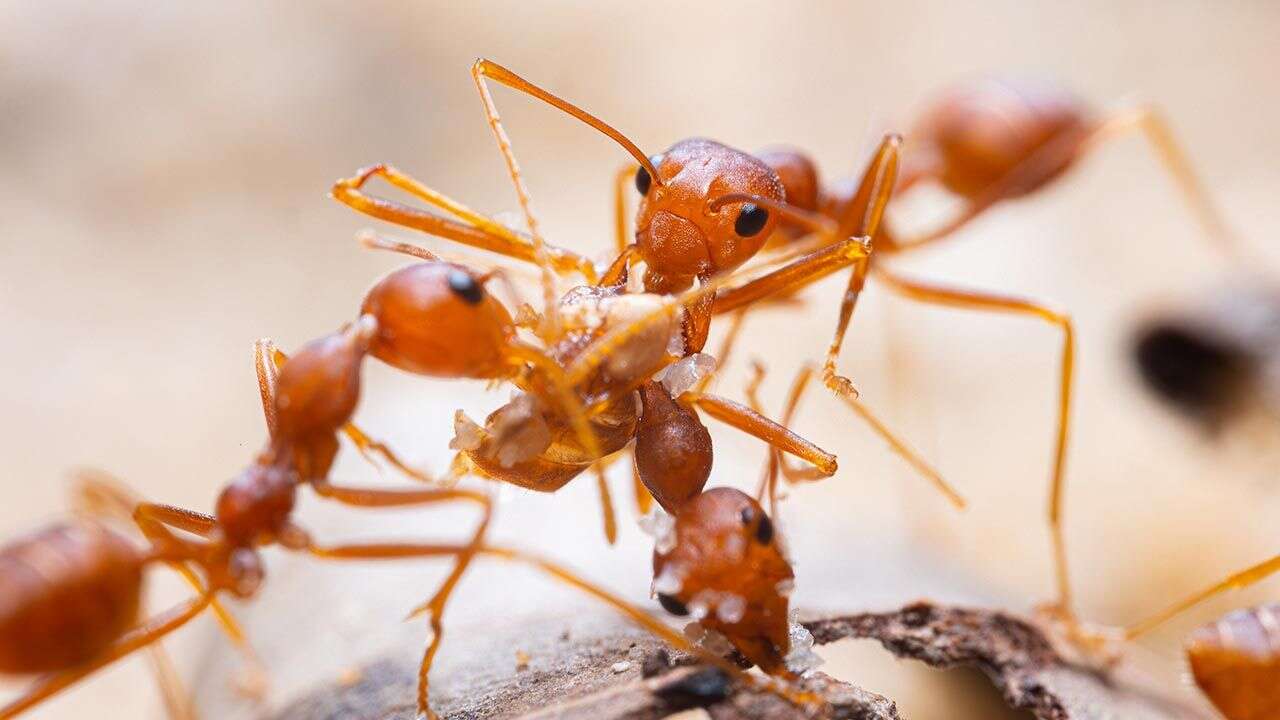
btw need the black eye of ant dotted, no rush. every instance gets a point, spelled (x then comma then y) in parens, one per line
(764, 531)
(643, 181)
(672, 605)
(465, 286)
(751, 220)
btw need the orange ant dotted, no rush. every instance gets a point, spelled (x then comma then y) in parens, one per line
(436, 318)
(986, 143)
(707, 210)
(307, 402)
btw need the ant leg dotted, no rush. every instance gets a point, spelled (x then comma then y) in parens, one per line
(749, 421)
(814, 266)
(268, 359)
(1155, 129)
(479, 231)
(606, 506)
(394, 551)
(644, 498)
(540, 256)
(726, 346)
(137, 638)
(177, 699)
(769, 478)
(1237, 581)
(990, 302)
(435, 608)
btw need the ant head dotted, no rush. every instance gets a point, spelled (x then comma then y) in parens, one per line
(682, 232)
(978, 133)
(436, 318)
(1235, 660)
(254, 508)
(727, 570)
(319, 386)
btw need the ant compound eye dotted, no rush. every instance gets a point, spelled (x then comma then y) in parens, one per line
(750, 220)
(643, 181)
(748, 515)
(672, 605)
(764, 531)
(465, 287)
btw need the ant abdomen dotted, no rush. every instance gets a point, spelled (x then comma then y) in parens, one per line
(977, 134)
(673, 448)
(69, 591)
(1236, 662)
(436, 319)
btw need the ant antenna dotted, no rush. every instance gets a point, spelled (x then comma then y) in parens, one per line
(500, 74)
(815, 222)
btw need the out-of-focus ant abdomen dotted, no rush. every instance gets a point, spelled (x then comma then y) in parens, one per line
(1236, 662)
(69, 591)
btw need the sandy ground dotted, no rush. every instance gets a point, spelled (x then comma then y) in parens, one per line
(164, 172)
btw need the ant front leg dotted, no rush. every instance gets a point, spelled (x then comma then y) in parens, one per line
(133, 640)
(479, 231)
(802, 272)
(268, 359)
(1237, 581)
(989, 302)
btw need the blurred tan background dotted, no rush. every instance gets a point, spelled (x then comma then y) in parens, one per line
(163, 170)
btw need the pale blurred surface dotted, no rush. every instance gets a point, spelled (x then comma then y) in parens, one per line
(163, 170)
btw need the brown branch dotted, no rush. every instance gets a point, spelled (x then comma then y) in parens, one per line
(594, 669)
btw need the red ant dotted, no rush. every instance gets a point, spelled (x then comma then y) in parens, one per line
(986, 143)
(708, 208)
(436, 318)
(307, 402)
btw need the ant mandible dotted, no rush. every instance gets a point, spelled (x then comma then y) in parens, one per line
(708, 208)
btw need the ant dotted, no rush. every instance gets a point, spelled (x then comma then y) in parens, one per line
(707, 210)
(308, 400)
(436, 318)
(986, 143)
(1211, 362)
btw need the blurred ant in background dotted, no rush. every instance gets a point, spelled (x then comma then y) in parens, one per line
(1215, 362)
